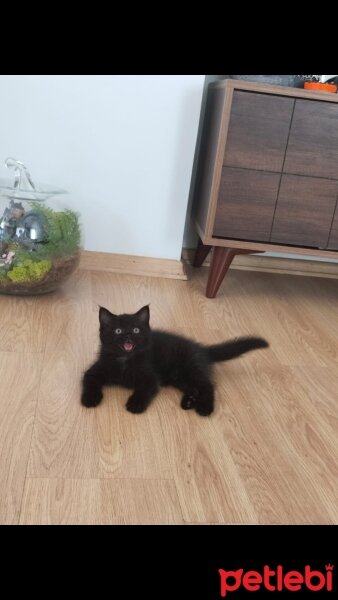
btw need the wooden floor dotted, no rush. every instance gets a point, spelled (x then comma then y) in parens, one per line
(269, 453)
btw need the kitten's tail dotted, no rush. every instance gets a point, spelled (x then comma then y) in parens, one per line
(234, 348)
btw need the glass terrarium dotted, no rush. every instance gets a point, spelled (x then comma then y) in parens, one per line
(40, 243)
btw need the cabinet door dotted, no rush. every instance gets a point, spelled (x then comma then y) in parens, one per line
(313, 143)
(304, 211)
(246, 204)
(258, 131)
(333, 239)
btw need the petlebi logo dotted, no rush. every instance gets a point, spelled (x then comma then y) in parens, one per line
(276, 579)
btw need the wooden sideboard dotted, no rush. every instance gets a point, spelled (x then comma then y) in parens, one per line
(267, 174)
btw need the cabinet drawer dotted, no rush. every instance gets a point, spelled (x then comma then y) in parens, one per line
(304, 211)
(246, 204)
(258, 131)
(313, 143)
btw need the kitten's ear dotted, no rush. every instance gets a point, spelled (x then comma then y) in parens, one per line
(105, 316)
(143, 315)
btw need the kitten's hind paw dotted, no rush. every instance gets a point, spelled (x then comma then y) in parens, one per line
(204, 410)
(136, 405)
(91, 399)
(188, 402)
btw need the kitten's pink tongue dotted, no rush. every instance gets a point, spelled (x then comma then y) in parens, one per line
(128, 346)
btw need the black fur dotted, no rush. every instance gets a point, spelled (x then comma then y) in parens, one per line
(134, 356)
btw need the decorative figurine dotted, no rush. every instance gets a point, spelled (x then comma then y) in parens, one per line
(7, 259)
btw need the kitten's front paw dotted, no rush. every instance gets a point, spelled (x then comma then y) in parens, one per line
(90, 398)
(135, 404)
(204, 409)
(188, 402)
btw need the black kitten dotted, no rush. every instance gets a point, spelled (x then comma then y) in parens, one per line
(136, 357)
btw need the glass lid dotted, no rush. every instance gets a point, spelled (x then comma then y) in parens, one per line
(23, 187)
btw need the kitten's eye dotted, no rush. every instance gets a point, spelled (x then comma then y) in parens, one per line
(118, 331)
(136, 330)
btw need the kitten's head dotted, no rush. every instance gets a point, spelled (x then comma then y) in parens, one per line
(123, 335)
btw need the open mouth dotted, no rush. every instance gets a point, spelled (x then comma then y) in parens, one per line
(128, 346)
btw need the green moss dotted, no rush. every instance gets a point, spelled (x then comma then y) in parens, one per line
(21, 253)
(18, 275)
(28, 271)
(3, 279)
(63, 234)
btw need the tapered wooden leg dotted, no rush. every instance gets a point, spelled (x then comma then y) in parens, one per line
(220, 263)
(201, 253)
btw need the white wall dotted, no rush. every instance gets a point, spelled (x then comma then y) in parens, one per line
(123, 146)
